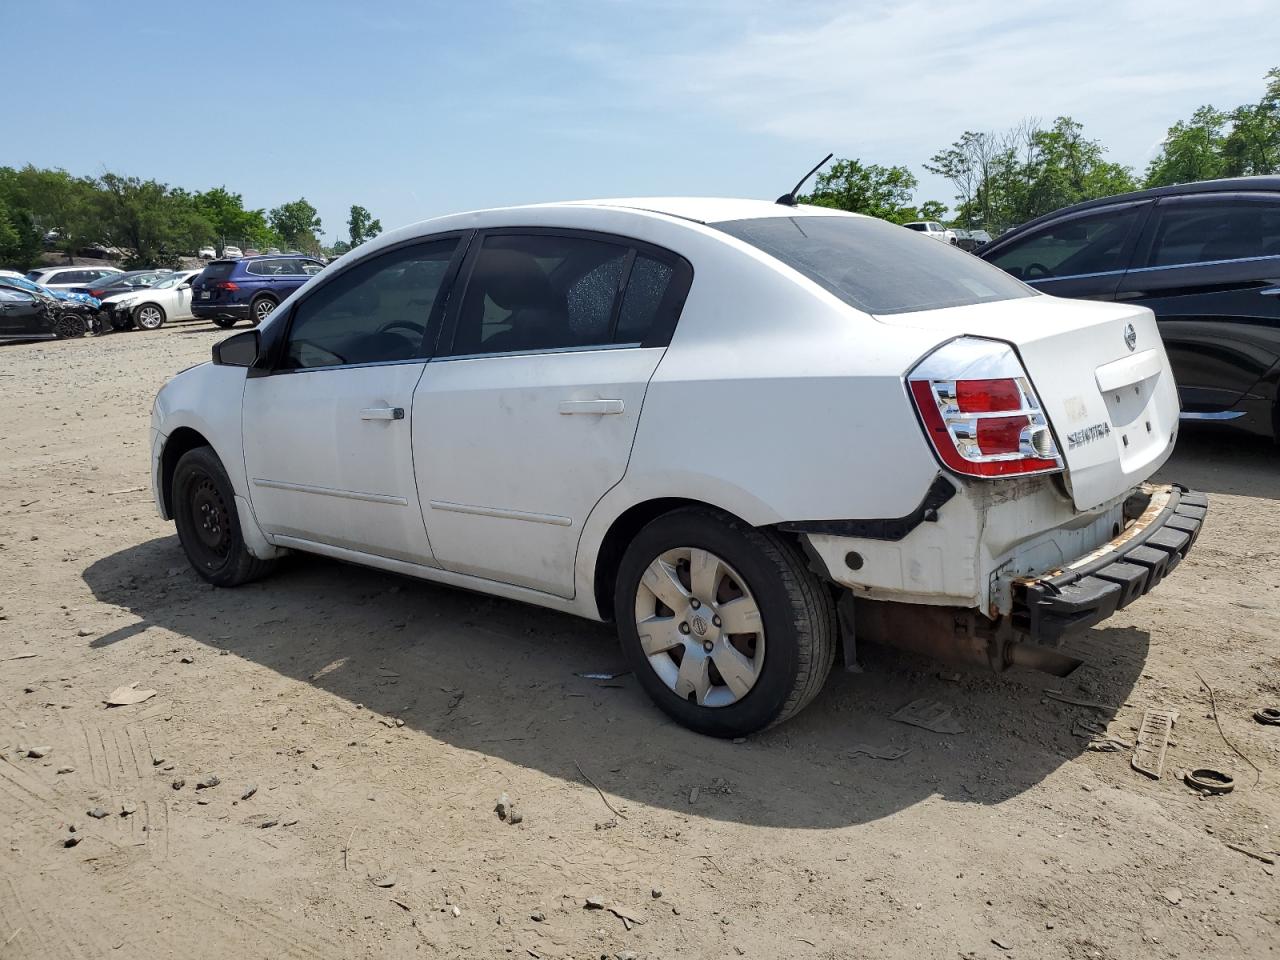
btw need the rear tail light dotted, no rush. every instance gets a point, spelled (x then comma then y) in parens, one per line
(226, 285)
(980, 411)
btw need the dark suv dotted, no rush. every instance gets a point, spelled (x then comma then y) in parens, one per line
(1205, 257)
(249, 288)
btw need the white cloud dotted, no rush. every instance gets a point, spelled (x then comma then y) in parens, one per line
(894, 82)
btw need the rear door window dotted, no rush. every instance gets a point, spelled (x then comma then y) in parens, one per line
(1091, 243)
(1214, 229)
(877, 266)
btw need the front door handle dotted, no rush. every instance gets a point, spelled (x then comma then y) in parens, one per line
(594, 407)
(1271, 291)
(382, 413)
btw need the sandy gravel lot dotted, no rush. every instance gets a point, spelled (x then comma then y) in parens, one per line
(380, 718)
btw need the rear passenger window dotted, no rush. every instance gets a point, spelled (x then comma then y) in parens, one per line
(1204, 230)
(547, 292)
(375, 312)
(540, 292)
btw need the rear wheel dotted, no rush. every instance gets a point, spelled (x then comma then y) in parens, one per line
(149, 316)
(260, 309)
(204, 511)
(68, 326)
(724, 625)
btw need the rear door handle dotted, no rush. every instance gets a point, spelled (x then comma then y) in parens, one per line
(594, 407)
(382, 413)
(1271, 291)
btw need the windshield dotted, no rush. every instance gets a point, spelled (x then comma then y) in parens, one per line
(172, 281)
(877, 266)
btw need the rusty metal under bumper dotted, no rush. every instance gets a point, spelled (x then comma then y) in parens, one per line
(1053, 607)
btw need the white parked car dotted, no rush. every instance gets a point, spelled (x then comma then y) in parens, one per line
(745, 432)
(150, 307)
(933, 230)
(64, 278)
(207, 253)
(232, 253)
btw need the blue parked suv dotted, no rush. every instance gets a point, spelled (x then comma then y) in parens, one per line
(249, 288)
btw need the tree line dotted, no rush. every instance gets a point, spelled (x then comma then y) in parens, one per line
(1001, 179)
(1008, 177)
(152, 223)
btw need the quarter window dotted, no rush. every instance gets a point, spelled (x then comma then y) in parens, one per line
(642, 303)
(1094, 243)
(375, 312)
(1205, 231)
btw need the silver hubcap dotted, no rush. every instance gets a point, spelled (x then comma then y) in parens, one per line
(700, 627)
(264, 308)
(149, 317)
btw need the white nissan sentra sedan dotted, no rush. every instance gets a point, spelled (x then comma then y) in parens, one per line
(752, 434)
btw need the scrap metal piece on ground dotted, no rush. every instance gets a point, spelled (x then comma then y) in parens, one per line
(1211, 781)
(127, 695)
(929, 714)
(1153, 742)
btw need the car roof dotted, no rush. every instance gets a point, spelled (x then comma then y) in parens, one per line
(701, 209)
(1225, 185)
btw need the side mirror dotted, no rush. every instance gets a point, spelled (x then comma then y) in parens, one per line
(238, 351)
(184, 286)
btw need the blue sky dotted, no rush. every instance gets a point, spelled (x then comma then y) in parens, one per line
(417, 109)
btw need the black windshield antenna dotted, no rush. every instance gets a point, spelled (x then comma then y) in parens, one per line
(789, 199)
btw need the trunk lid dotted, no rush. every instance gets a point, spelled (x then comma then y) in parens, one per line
(1102, 376)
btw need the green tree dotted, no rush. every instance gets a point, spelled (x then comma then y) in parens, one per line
(1253, 145)
(153, 224)
(20, 241)
(232, 223)
(877, 191)
(932, 210)
(53, 200)
(362, 226)
(298, 224)
(1192, 150)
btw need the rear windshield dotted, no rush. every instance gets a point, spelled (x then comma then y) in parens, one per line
(877, 266)
(218, 270)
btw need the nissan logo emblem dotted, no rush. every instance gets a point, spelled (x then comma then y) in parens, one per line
(1130, 335)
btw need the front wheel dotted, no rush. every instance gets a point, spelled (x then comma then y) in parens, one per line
(724, 624)
(204, 511)
(68, 326)
(149, 316)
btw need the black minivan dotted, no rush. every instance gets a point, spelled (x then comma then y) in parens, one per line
(1205, 257)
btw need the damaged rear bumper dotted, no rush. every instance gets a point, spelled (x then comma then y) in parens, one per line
(1068, 601)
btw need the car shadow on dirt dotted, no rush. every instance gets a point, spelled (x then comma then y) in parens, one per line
(1221, 460)
(501, 678)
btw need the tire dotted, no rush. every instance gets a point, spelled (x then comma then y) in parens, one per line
(226, 323)
(149, 316)
(260, 309)
(781, 665)
(204, 511)
(68, 326)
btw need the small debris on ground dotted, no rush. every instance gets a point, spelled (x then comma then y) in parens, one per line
(249, 791)
(1153, 742)
(1172, 894)
(383, 880)
(37, 752)
(593, 903)
(128, 695)
(502, 807)
(929, 714)
(97, 813)
(66, 770)
(537, 916)
(693, 795)
(878, 751)
(128, 809)
(179, 783)
(212, 780)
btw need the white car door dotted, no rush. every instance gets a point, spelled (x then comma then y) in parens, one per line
(327, 428)
(527, 415)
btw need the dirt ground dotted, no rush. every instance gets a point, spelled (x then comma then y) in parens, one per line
(380, 718)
